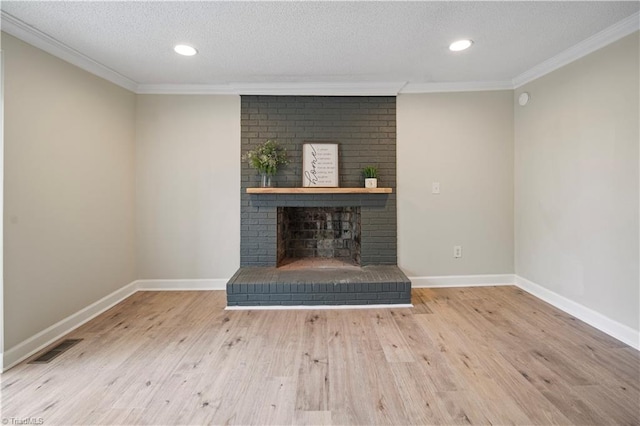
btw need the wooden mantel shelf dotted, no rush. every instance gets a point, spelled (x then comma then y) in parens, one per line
(316, 190)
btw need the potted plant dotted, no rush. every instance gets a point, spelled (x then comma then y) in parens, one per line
(266, 158)
(370, 176)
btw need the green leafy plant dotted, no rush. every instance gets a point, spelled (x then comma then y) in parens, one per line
(267, 157)
(370, 172)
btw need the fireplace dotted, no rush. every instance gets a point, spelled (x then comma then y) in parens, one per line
(353, 230)
(329, 236)
(365, 129)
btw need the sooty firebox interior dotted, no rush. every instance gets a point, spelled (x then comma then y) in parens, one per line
(319, 233)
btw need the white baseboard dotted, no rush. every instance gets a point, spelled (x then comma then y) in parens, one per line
(463, 281)
(46, 337)
(182, 285)
(595, 319)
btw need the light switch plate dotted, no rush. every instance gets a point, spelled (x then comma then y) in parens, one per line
(435, 188)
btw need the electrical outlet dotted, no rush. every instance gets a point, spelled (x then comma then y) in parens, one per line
(435, 188)
(457, 251)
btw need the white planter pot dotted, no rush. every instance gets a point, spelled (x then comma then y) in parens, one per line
(371, 183)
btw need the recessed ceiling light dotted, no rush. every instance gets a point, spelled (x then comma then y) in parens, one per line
(185, 50)
(459, 45)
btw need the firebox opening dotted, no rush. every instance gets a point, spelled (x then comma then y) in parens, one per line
(318, 236)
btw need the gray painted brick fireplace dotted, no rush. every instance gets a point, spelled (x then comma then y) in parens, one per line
(365, 129)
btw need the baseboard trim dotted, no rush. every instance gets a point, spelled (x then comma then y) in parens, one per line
(182, 285)
(315, 307)
(46, 337)
(595, 319)
(49, 335)
(463, 281)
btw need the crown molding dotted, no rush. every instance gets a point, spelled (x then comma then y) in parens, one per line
(35, 37)
(320, 88)
(300, 89)
(15, 27)
(185, 89)
(460, 86)
(597, 41)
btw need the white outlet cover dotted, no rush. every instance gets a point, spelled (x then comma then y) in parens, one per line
(435, 188)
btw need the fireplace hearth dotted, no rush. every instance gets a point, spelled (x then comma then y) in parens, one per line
(368, 285)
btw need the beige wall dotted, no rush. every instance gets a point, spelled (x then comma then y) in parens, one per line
(69, 194)
(188, 186)
(576, 177)
(464, 141)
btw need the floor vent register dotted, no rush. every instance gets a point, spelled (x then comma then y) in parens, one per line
(55, 352)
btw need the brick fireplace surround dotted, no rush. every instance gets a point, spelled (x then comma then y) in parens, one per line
(365, 129)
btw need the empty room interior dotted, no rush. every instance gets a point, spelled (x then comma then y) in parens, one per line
(320, 213)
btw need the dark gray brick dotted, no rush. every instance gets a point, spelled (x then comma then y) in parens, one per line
(302, 296)
(367, 296)
(324, 296)
(394, 295)
(236, 297)
(280, 297)
(345, 296)
(257, 297)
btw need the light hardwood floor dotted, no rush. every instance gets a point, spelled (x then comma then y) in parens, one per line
(491, 355)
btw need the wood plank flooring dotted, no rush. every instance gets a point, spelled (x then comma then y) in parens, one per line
(492, 355)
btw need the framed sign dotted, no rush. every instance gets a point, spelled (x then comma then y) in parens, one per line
(320, 165)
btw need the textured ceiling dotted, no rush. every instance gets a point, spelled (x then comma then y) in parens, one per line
(345, 42)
